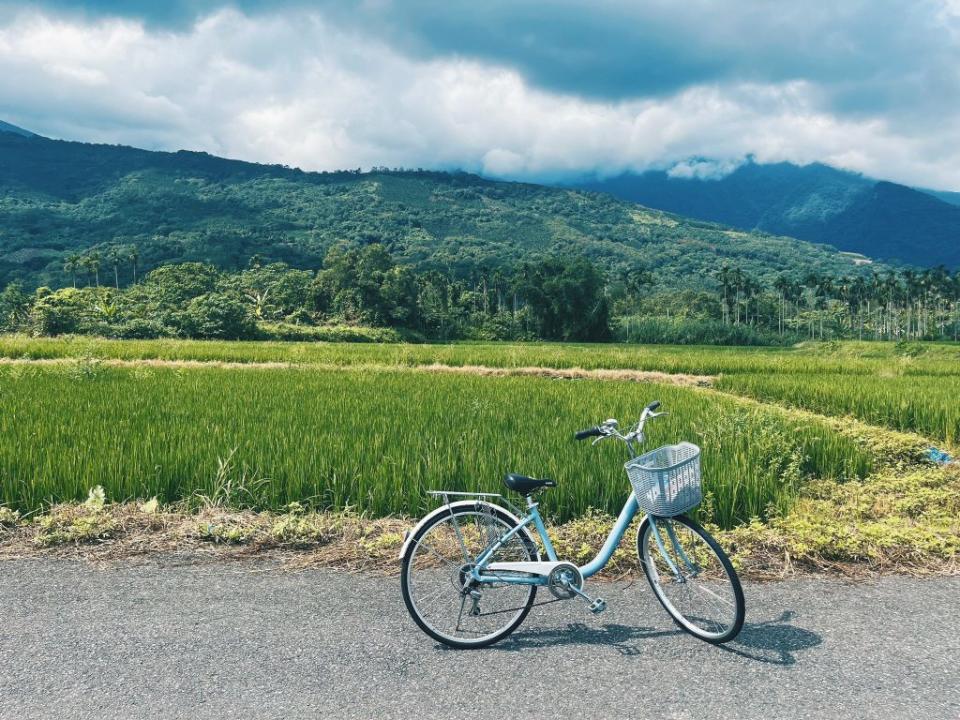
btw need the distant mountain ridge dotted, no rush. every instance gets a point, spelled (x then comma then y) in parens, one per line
(7, 127)
(60, 198)
(947, 196)
(813, 202)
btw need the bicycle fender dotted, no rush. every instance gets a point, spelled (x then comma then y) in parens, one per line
(444, 509)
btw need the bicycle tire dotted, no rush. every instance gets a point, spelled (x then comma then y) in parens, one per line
(653, 577)
(509, 522)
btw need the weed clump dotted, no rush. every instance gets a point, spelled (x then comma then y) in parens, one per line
(8, 517)
(84, 523)
(897, 521)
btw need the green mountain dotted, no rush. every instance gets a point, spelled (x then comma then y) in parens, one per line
(60, 198)
(812, 202)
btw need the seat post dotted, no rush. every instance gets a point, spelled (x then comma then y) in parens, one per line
(533, 506)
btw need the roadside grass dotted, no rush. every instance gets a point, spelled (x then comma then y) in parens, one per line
(890, 522)
(894, 521)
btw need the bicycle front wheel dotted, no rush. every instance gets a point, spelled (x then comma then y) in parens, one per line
(437, 586)
(692, 578)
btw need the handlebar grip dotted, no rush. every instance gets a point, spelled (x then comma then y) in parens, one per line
(653, 406)
(584, 434)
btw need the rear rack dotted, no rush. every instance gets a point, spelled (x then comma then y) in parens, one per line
(444, 493)
(447, 494)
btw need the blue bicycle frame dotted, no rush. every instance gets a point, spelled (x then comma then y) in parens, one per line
(627, 514)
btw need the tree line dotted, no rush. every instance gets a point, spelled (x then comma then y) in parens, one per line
(893, 305)
(550, 298)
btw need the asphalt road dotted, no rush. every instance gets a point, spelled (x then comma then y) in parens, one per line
(244, 640)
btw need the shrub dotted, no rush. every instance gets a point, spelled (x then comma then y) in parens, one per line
(58, 313)
(219, 316)
(141, 329)
(329, 333)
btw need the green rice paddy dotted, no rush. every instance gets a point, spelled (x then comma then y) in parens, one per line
(351, 426)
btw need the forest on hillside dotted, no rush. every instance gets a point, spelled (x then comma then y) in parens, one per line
(59, 199)
(122, 242)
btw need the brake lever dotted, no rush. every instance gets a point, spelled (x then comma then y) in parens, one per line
(608, 428)
(606, 434)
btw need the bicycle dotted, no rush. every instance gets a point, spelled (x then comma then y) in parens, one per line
(479, 561)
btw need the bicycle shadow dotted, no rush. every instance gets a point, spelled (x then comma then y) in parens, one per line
(774, 642)
(622, 638)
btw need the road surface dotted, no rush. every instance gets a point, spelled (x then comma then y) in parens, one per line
(247, 640)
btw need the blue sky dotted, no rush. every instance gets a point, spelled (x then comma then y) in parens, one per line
(534, 90)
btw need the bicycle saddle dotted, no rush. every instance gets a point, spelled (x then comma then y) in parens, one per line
(526, 485)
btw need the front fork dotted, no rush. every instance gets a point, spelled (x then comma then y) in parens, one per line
(692, 568)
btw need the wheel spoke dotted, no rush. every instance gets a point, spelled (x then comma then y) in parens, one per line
(710, 592)
(442, 559)
(431, 596)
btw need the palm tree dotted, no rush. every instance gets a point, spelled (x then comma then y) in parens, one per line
(808, 294)
(751, 291)
(133, 254)
(499, 282)
(857, 291)
(725, 278)
(92, 259)
(955, 298)
(812, 283)
(911, 290)
(892, 291)
(937, 283)
(114, 257)
(71, 264)
(83, 263)
(782, 286)
(738, 278)
(874, 293)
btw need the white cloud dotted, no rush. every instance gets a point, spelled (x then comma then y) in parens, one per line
(703, 169)
(292, 88)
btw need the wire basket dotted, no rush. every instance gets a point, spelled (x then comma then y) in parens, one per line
(666, 481)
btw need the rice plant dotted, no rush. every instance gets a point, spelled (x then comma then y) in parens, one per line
(376, 440)
(849, 358)
(927, 405)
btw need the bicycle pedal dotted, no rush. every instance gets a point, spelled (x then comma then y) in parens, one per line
(598, 606)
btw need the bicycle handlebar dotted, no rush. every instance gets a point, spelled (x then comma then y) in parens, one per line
(609, 428)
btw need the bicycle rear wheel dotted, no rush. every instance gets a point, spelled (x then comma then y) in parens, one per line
(692, 578)
(436, 584)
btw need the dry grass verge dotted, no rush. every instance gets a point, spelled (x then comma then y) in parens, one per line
(893, 522)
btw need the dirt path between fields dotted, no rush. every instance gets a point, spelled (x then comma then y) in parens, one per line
(653, 376)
